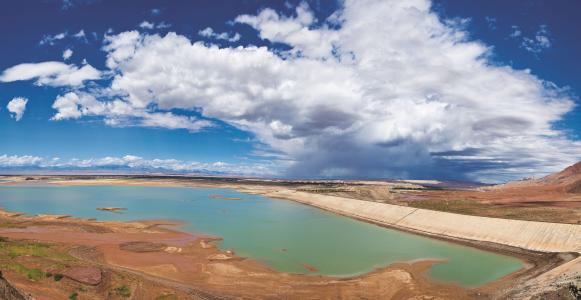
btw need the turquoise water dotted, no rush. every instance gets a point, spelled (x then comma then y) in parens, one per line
(260, 228)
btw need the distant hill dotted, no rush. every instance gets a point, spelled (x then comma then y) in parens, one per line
(569, 180)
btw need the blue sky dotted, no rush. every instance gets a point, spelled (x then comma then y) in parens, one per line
(484, 91)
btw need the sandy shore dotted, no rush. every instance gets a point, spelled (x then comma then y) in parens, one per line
(528, 241)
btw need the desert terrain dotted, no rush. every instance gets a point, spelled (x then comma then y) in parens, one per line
(62, 257)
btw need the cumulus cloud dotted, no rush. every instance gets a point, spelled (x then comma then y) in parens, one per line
(515, 31)
(379, 89)
(136, 163)
(392, 91)
(52, 39)
(537, 43)
(121, 46)
(225, 36)
(146, 25)
(16, 107)
(81, 36)
(296, 31)
(52, 73)
(18, 161)
(120, 113)
(491, 21)
(149, 25)
(67, 54)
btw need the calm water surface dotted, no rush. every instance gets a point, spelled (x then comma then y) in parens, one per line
(260, 228)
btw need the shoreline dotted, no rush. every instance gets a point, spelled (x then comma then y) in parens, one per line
(448, 225)
(536, 262)
(68, 234)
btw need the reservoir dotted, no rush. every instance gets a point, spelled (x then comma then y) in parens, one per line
(282, 234)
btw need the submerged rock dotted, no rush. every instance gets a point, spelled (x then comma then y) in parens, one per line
(310, 268)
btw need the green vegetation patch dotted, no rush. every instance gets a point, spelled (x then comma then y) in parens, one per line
(14, 250)
(31, 274)
(11, 225)
(123, 291)
(36, 249)
(74, 296)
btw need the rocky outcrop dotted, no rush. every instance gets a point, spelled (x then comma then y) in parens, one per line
(227, 255)
(574, 188)
(142, 246)
(9, 292)
(84, 275)
(565, 175)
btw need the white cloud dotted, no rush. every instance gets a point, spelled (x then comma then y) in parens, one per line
(80, 34)
(120, 47)
(380, 89)
(155, 12)
(17, 106)
(16, 161)
(225, 36)
(149, 25)
(295, 31)
(52, 73)
(491, 21)
(132, 162)
(163, 25)
(67, 54)
(516, 31)
(392, 92)
(120, 113)
(146, 25)
(52, 39)
(539, 42)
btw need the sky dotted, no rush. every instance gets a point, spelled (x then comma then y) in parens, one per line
(369, 89)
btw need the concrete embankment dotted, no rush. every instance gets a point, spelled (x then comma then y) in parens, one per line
(537, 236)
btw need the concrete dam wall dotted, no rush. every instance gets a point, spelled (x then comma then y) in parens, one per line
(537, 236)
